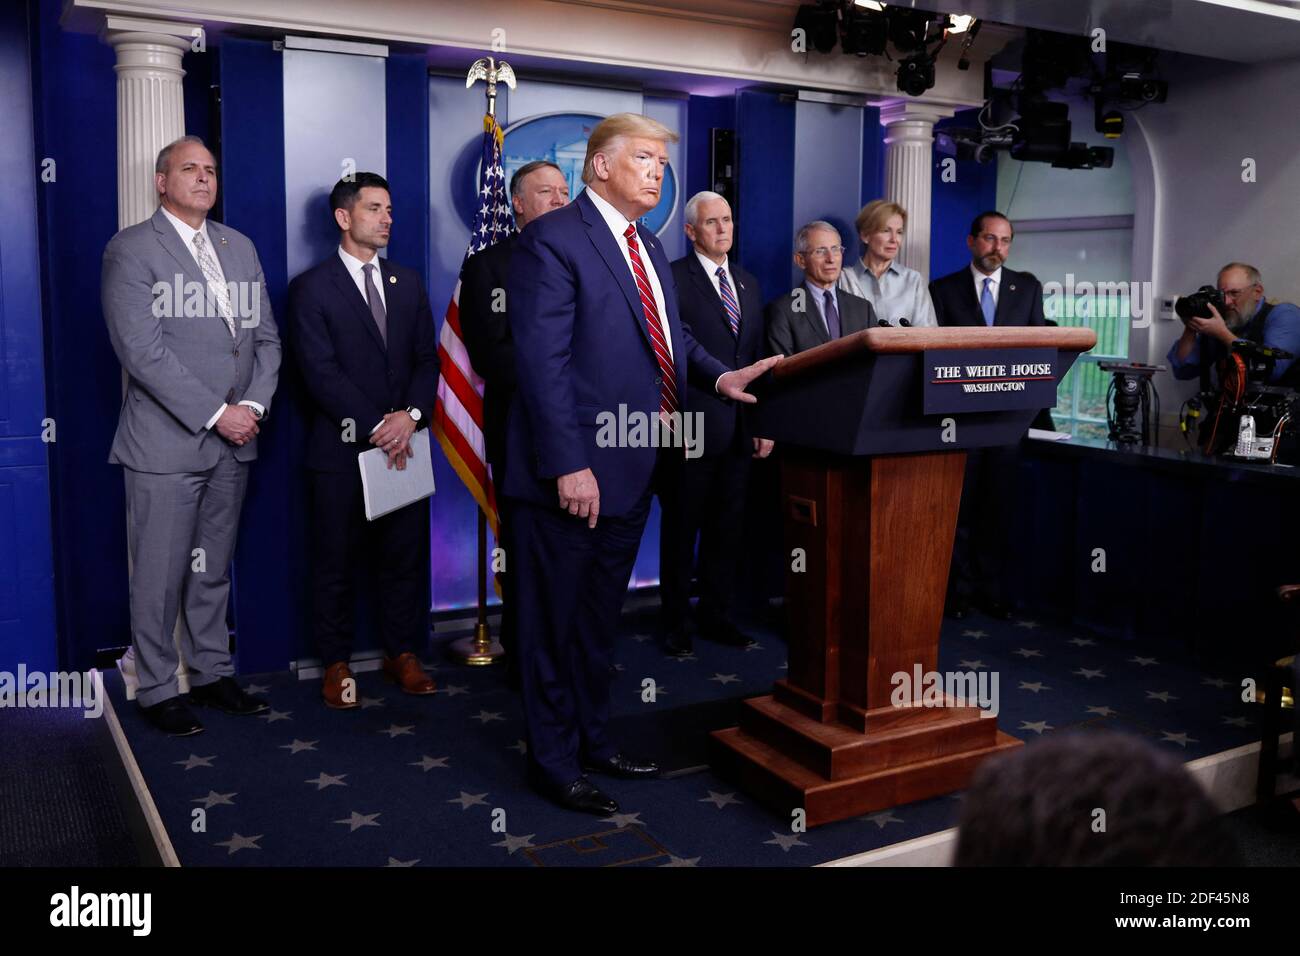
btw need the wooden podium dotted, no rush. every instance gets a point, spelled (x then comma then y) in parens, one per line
(870, 492)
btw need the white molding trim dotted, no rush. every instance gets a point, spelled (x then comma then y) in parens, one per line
(321, 45)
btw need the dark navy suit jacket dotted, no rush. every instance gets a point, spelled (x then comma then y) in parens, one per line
(346, 369)
(1020, 299)
(705, 319)
(582, 348)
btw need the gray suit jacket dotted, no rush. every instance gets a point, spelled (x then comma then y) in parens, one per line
(791, 330)
(182, 362)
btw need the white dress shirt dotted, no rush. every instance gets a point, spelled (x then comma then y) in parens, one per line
(711, 270)
(994, 286)
(618, 224)
(356, 269)
(187, 233)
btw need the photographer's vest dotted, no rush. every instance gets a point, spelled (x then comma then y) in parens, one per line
(1253, 332)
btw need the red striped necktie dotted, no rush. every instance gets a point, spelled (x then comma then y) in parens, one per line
(668, 387)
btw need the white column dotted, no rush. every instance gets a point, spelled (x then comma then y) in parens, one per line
(909, 154)
(150, 105)
(150, 114)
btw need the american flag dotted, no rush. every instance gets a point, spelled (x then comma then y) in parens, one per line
(458, 414)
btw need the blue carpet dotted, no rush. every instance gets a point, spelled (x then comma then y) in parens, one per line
(439, 781)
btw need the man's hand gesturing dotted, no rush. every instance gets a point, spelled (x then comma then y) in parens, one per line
(580, 495)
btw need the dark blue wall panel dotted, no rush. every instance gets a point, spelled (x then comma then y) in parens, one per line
(873, 156)
(765, 142)
(27, 621)
(954, 204)
(270, 597)
(703, 115)
(76, 126)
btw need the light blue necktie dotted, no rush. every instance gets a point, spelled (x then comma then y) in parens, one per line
(986, 302)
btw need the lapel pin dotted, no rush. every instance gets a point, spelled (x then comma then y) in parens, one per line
(223, 240)
(392, 280)
(1011, 288)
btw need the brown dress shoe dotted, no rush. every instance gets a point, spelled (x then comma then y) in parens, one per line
(332, 687)
(405, 671)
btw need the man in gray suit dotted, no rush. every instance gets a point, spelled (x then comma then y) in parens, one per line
(190, 320)
(814, 312)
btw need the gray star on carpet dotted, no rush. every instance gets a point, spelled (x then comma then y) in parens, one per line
(520, 745)
(467, 800)
(398, 730)
(1037, 726)
(271, 716)
(725, 679)
(193, 760)
(971, 665)
(214, 799)
(394, 863)
(720, 800)
(1163, 695)
(1088, 674)
(1218, 682)
(621, 820)
(750, 647)
(512, 843)
(785, 666)
(1102, 711)
(427, 763)
(1027, 652)
(453, 690)
(1081, 641)
(256, 689)
(237, 843)
(784, 841)
(881, 819)
(327, 780)
(976, 633)
(1034, 686)
(486, 716)
(681, 658)
(1028, 625)
(1237, 721)
(1181, 739)
(640, 638)
(368, 702)
(358, 820)
(297, 746)
(1144, 661)
(681, 861)
(620, 668)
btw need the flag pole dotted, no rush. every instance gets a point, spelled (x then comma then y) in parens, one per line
(481, 650)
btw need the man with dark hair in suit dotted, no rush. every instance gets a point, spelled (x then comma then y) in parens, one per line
(985, 294)
(722, 309)
(594, 319)
(535, 189)
(197, 388)
(815, 312)
(363, 334)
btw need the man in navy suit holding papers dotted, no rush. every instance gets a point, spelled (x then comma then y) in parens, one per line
(593, 314)
(363, 334)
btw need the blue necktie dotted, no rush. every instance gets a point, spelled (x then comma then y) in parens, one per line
(986, 302)
(832, 315)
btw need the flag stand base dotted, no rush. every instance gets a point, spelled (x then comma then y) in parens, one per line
(479, 650)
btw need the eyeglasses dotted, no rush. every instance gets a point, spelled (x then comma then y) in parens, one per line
(1235, 293)
(826, 252)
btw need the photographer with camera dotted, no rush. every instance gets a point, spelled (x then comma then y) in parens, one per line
(1214, 318)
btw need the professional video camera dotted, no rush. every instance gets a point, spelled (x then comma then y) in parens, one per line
(1253, 420)
(1196, 305)
(1129, 401)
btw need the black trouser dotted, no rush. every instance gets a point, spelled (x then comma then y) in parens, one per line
(393, 551)
(983, 525)
(709, 502)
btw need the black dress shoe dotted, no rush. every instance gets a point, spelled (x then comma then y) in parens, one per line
(678, 644)
(172, 717)
(621, 765)
(583, 796)
(724, 632)
(224, 694)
